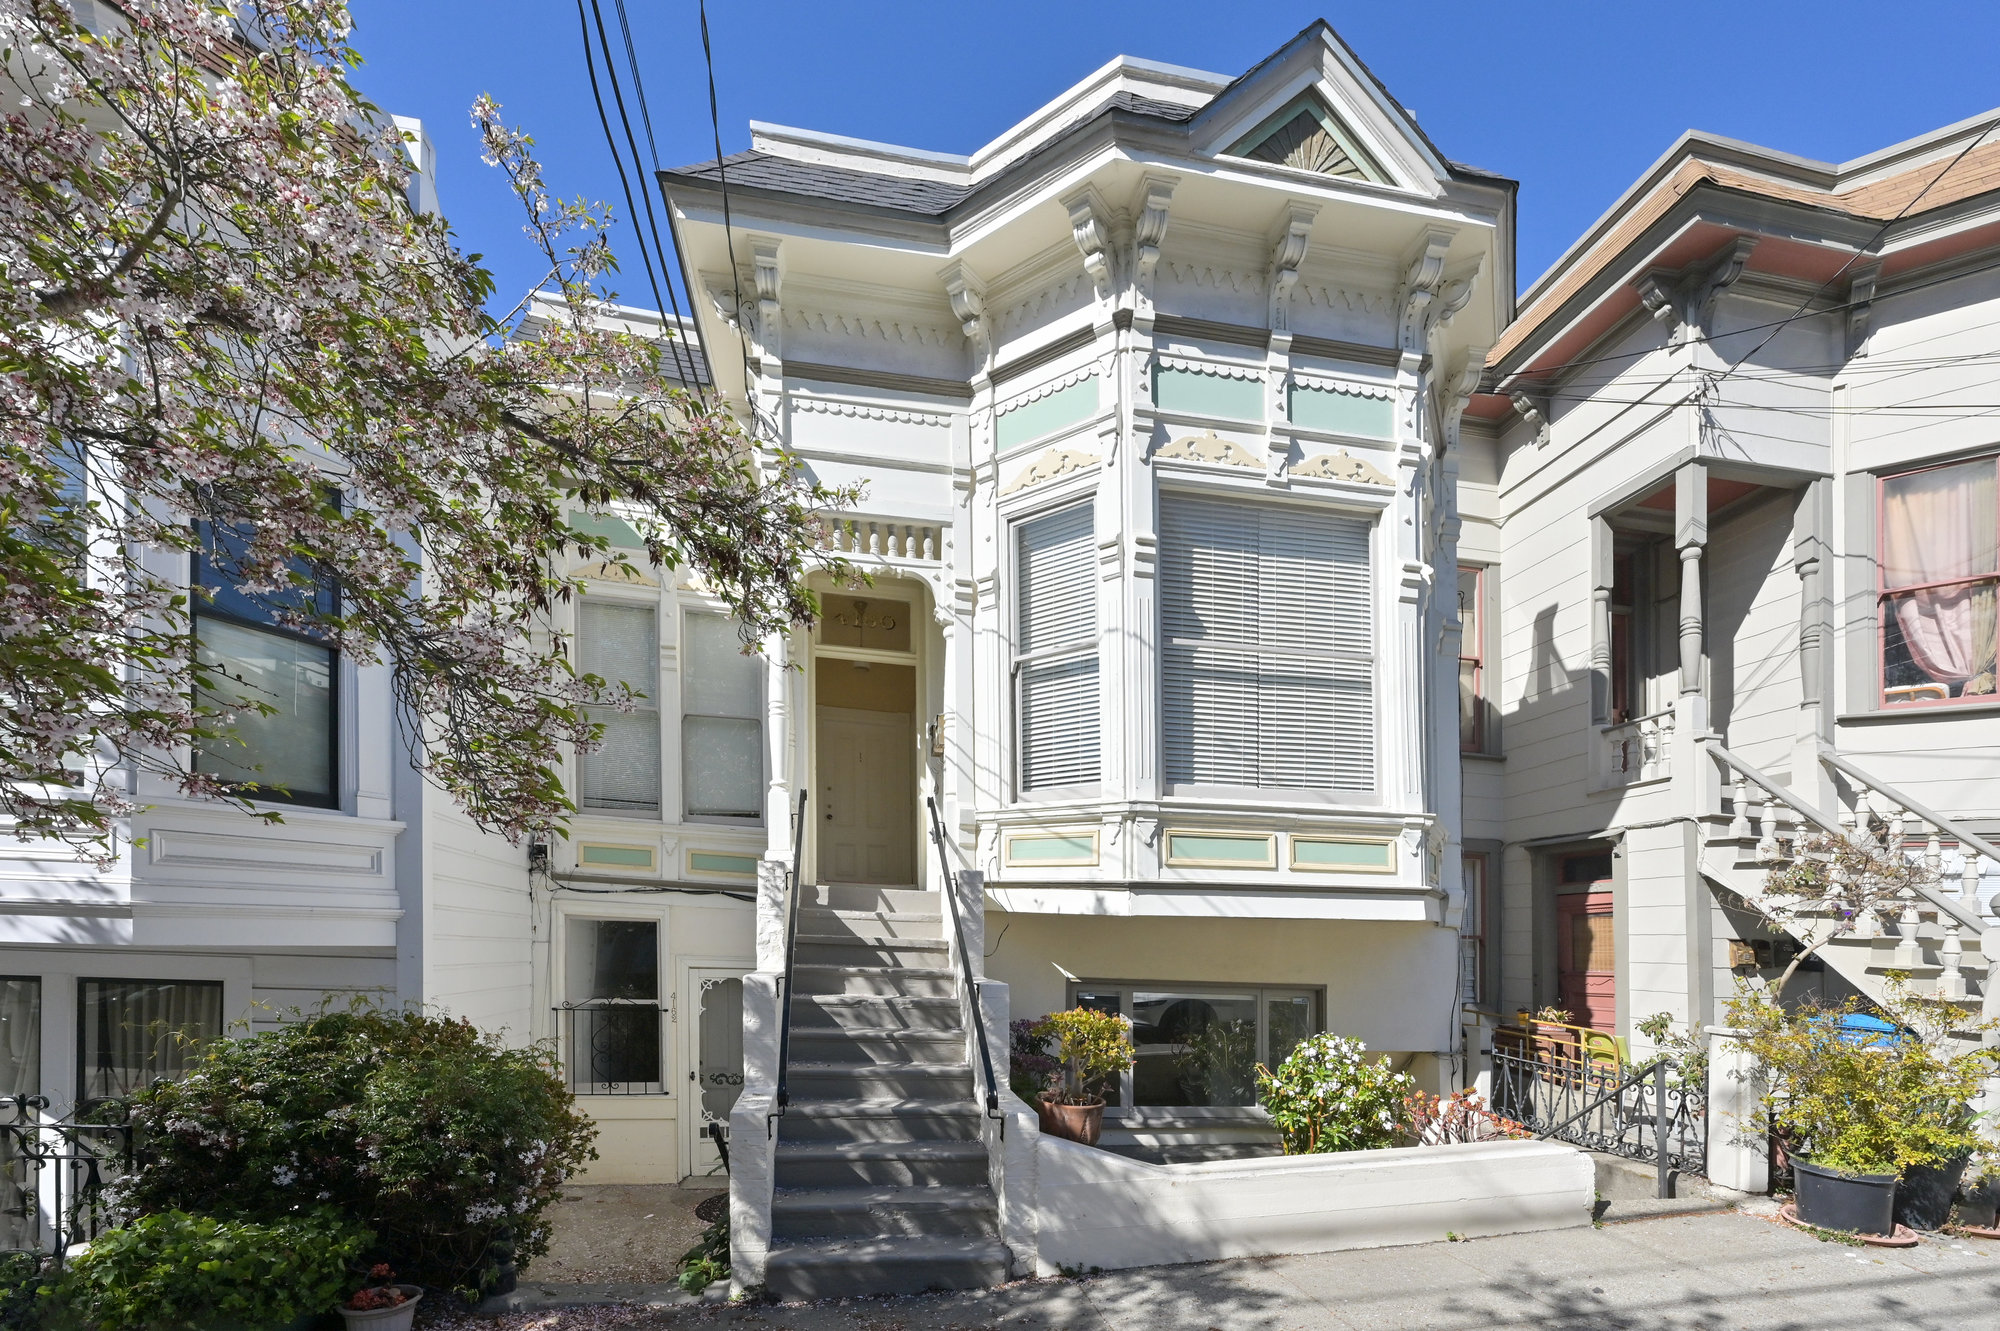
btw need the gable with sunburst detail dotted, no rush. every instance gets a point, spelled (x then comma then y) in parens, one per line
(1307, 136)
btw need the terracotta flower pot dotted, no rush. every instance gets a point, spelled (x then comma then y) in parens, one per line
(1076, 1123)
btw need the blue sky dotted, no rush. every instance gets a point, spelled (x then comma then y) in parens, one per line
(1572, 99)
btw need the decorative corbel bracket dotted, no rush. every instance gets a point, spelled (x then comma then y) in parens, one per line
(968, 304)
(765, 273)
(1288, 251)
(1090, 228)
(1458, 391)
(1719, 276)
(1684, 302)
(1656, 293)
(1420, 289)
(1861, 304)
(1532, 410)
(1156, 197)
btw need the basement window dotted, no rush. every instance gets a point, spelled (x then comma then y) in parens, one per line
(1200, 1044)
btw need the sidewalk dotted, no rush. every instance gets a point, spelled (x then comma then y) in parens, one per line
(1688, 1273)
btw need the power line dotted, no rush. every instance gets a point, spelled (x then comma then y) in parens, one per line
(618, 161)
(728, 228)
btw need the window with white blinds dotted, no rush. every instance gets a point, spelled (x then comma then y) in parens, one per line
(1267, 651)
(1055, 649)
(620, 644)
(722, 720)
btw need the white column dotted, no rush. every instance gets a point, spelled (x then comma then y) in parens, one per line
(752, 1141)
(1739, 1153)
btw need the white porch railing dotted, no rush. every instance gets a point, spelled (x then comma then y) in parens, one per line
(1637, 750)
(883, 538)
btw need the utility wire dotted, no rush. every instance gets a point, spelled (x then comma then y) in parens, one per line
(618, 161)
(728, 228)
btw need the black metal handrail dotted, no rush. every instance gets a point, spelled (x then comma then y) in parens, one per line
(950, 888)
(791, 954)
(1614, 1093)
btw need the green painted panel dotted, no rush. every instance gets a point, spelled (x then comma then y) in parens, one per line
(1349, 413)
(615, 530)
(707, 861)
(1175, 389)
(1251, 852)
(630, 857)
(1317, 854)
(1065, 406)
(1035, 849)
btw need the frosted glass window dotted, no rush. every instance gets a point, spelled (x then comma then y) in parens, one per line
(277, 693)
(20, 1036)
(620, 644)
(722, 730)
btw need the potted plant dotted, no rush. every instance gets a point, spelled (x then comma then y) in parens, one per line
(1859, 1111)
(381, 1304)
(1090, 1048)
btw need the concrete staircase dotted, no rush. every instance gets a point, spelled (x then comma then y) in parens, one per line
(880, 1181)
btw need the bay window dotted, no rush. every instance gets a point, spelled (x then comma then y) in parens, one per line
(1055, 650)
(1200, 1044)
(1940, 539)
(1267, 646)
(272, 676)
(722, 729)
(619, 643)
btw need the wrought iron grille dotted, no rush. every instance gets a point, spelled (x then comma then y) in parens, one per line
(1560, 1090)
(614, 1046)
(54, 1172)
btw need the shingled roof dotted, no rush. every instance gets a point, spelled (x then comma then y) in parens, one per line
(839, 184)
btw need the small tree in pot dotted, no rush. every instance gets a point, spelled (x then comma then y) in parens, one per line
(1090, 1049)
(1856, 1109)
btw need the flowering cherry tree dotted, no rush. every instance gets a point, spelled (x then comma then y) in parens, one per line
(220, 314)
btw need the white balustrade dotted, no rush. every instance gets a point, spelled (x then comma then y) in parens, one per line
(882, 539)
(1638, 750)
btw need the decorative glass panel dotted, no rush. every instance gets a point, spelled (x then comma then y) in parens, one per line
(134, 1032)
(722, 732)
(720, 1073)
(862, 621)
(619, 644)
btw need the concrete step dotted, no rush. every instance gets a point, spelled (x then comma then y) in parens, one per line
(886, 1013)
(884, 1211)
(892, 953)
(859, 1047)
(899, 982)
(879, 1081)
(865, 896)
(840, 1269)
(825, 922)
(879, 1120)
(840, 1164)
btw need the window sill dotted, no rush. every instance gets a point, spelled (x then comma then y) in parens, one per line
(1483, 756)
(1932, 713)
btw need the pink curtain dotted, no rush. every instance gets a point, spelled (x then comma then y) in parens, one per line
(1938, 525)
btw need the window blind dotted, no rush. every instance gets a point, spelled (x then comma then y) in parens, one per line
(1055, 649)
(620, 644)
(1267, 652)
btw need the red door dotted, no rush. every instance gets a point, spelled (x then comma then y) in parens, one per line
(1587, 959)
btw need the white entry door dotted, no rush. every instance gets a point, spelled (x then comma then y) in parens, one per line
(866, 797)
(714, 1061)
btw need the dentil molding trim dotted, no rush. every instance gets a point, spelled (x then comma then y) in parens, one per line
(1042, 390)
(868, 411)
(1217, 368)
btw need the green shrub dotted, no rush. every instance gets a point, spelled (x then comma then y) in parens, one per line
(443, 1142)
(1326, 1097)
(708, 1260)
(23, 1276)
(1091, 1048)
(179, 1272)
(1873, 1108)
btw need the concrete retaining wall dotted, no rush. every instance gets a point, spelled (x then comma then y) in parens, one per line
(1101, 1210)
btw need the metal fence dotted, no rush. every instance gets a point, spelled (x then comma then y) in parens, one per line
(1561, 1090)
(54, 1172)
(614, 1046)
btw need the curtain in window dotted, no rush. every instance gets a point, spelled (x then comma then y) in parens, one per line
(722, 729)
(1939, 526)
(620, 644)
(20, 1037)
(133, 1032)
(290, 747)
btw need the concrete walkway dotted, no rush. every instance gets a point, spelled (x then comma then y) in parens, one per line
(1688, 1273)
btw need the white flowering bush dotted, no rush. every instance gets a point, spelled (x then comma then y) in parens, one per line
(1326, 1096)
(443, 1142)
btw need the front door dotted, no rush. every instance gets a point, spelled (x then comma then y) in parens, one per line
(714, 1062)
(1587, 959)
(866, 797)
